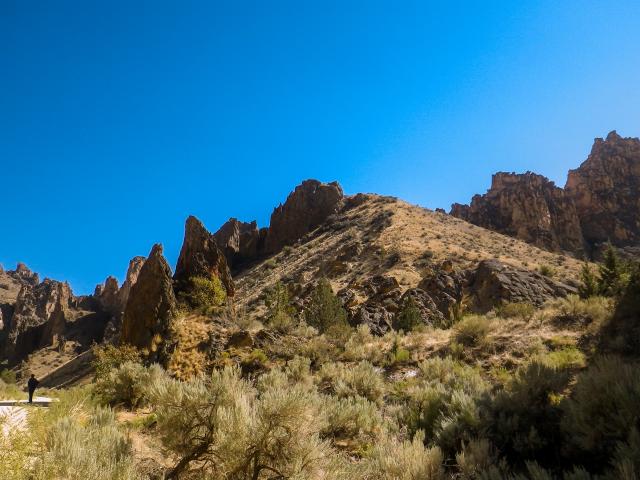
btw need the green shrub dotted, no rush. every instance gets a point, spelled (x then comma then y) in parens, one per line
(589, 282)
(8, 376)
(603, 408)
(403, 460)
(127, 385)
(324, 309)
(204, 294)
(279, 309)
(621, 335)
(521, 310)
(354, 419)
(612, 274)
(107, 357)
(596, 308)
(409, 316)
(547, 270)
(95, 448)
(353, 380)
(220, 427)
(524, 418)
(472, 330)
(398, 354)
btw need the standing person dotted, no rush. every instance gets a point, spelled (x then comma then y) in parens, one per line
(32, 384)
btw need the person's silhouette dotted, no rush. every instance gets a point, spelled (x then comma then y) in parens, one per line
(32, 384)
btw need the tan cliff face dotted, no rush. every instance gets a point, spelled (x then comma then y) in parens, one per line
(606, 191)
(529, 207)
(600, 202)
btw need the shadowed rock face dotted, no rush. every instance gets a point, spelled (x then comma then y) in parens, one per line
(308, 206)
(201, 257)
(528, 207)
(151, 308)
(113, 299)
(40, 315)
(606, 191)
(241, 242)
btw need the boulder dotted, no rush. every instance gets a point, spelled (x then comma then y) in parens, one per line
(240, 339)
(429, 312)
(375, 316)
(494, 283)
(201, 257)
(306, 208)
(151, 309)
(445, 288)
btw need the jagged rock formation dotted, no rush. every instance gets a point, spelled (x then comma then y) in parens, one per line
(113, 299)
(308, 206)
(529, 207)
(151, 308)
(606, 191)
(40, 316)
(600, 202)
(200, 257)
(241, 242)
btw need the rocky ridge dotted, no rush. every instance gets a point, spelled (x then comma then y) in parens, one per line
(599, 203)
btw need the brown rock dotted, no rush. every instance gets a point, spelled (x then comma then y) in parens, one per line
(40, 316)
(201, 257)
(494, 283)
(606, 191)
(306, 208)
(241, 242)
(151, 309)
(429, 311)
(529, 207)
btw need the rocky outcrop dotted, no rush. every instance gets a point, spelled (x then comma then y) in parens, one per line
(493, 283)
(606, 191)
(112, 298)
(599, 203)
(307, 207)
(200, 257)
(151, 308)
(39, 318)
(240, 242)
(529, 207)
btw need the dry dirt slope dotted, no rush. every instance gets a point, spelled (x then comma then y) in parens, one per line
(384, 235)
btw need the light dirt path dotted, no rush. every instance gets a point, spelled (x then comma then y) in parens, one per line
(13, 413)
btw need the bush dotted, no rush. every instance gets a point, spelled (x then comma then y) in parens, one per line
(409, 317)
(354, 380)
(524, 418)
(612, 275)
(108, 357)
(94, 448)
(589, 282)
(279, 309)
(603, 408)
(472, 330)
(324, 309)
(354, 419)
(8, 376)
(395, 460)
(222, 428)
(204, 294)
(521, 310)
(597, 309)
(128, 384)
(547, 270)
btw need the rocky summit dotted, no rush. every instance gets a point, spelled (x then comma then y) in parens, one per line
(598, 204)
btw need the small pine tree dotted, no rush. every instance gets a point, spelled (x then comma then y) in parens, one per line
(408, 318)
(589, 287)
(325, 310)
(611, 273)
(279, 309)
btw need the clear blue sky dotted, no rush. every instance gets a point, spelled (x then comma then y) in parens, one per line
(119, 119)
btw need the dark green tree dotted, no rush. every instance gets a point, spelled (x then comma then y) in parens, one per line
(280, 312)
(589, 286)
(611, 273)
(409, 317)
(325, 310)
